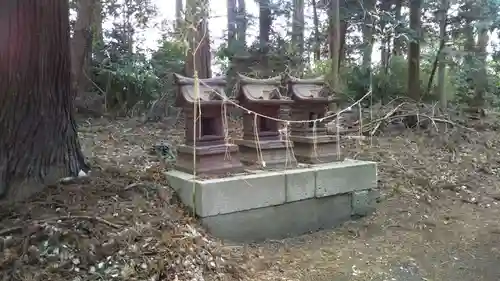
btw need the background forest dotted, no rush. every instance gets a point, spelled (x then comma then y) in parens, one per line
(427, 50)
(96, 204)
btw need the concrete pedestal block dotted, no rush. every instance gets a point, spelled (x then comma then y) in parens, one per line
(346, 176)
(364, 201)
(226, 195)
(262, 205)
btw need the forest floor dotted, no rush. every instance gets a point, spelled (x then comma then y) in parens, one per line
(438, 218)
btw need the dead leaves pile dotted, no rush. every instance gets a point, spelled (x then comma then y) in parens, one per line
(109, 229)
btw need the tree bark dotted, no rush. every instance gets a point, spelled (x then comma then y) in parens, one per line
(481, 81)
(398, 42)
(81, 45)
(242, 24)
(231, 25)
(442, 55)
(334, 28)
(368, 35)
(317, 41)
(265, 22)
(414, 51)
(386, 36)
(199, 56)
(38, 141)
(97, 33)
(298, 32)
(178, 14)
(343, 34)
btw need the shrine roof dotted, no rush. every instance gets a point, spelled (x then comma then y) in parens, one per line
(260, 90)
(211, 90)
(309, 89)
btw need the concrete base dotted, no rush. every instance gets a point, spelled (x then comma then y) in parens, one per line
(316, 150)
(276, 154)
(263, 205)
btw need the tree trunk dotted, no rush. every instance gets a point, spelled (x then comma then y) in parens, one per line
(39, 142)
(317, 40)
(298, 32)
(414, 51)
(343, 35)
(481, 81)
(97, 33)
(367, 30)
(199, 57)
(81, 45)
(242, 24)
(386, 36)
(334, 28)
(231, 25)
(397, 48)
(442, 55)
(265, 22)
(178, 13)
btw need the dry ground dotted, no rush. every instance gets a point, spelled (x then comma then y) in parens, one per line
(438, 218)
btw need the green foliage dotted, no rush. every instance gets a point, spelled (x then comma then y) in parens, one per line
(387, 84)
(128, 83)
(133, 82)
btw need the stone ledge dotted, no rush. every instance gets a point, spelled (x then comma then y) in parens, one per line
(231, 194)
(266, 188)
(300, 184)
(345, 176)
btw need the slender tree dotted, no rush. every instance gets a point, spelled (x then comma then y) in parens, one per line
(199, 57)
(317, 41)
(241, 23)
(414, 51)
(231, 24)
(81, 44)
(334, 38)
(443, 11)
(38, 140)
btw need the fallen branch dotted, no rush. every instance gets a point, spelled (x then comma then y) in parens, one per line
(8, 231)
(434, 120)
(389, 114)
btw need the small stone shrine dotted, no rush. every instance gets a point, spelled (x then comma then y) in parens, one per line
(213, 155)
(262, 145)
(312, 144)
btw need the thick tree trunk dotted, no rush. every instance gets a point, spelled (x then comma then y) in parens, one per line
(38, 141)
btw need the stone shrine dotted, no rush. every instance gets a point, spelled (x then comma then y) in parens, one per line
(261, 140)
(262, 204)
(312, 144)
(213, 155)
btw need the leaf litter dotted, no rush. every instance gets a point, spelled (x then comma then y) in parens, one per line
(440, 196)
